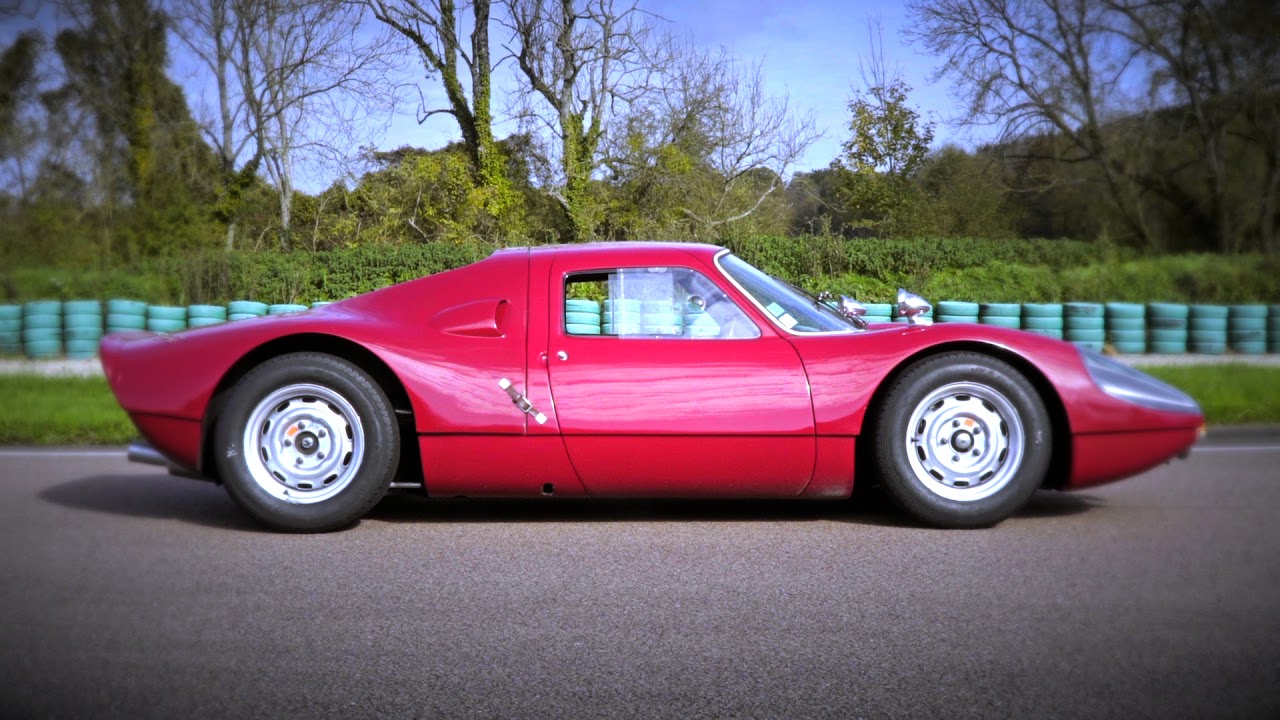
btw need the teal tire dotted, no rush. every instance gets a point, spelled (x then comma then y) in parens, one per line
(1082, 310)
(283, 308)
(573, 317)
(1126, 323)
(1247, 311)
(656, 306)
(1250, 348)
(243, 316)
(82, 307)
(956, 308)
(1041, 322)
(167, 312)
(1207, 348)
(1247, 324)
(1084, 323)
(246, 307)
(1207, 336)
(660, 329)
(1129, 347)
(321, 303)
(582, 329)
(10, 325)
(1079, 335)
(1055, 334)
(82, 321)
(1167, 323)
(956, 319)
(10, 312)
(1242, 336)
(1218, 324)
(622, 329)
(119, 306)
(41, 335)
(1094, 345)
(196, 322)
(165, 325)
(206, 311)
(1006, 321)
(42, 349)
(81, 348)
(622, 305)
(1127, 336)
(1167, 310)
(1041, 310)
(1005, 310)
(879, 309)
(33, 322)
(126, 322)
(42, 307)
(1208, 312)
(1164, 347)
(586, 306)
(93, 334)
(1125, 311)
(1159, 335)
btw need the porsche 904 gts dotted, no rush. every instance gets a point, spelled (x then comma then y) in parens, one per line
(632, 370)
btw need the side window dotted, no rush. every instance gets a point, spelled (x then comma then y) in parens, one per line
(658, 302)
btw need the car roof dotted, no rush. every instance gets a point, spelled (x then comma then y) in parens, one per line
(610, 249)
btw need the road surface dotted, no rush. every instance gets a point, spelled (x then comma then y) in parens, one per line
(128, 593)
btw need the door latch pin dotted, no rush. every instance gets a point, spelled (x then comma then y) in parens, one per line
(521, 401)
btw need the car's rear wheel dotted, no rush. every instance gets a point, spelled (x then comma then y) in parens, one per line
(307, 442)
(963, 440)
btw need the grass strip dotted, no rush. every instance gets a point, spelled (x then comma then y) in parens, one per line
(1229, 394)
(38, 410)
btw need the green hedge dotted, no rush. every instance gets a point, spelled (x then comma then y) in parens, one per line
(871, 270)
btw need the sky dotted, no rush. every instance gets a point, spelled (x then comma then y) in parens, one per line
(811, 51)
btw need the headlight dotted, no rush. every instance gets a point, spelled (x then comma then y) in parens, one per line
(1125, 383)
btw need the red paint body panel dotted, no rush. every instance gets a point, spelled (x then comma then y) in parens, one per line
(774, 416)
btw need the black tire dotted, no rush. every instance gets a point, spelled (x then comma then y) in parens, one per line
(963, 440)
(327, 444)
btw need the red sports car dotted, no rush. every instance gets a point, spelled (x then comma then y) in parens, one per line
(632, 370)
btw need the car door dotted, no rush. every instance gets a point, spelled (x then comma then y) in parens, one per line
(672, 399)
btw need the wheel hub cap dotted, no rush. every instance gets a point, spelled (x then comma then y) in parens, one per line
(303, 443)
(965, 441)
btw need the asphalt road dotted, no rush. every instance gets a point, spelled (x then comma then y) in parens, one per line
(128, 593)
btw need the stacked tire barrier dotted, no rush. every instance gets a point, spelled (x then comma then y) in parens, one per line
(1084, 324)
(1247, 328)
(42, 329)
(1167, 328)
(82, 328)
(1207, 329)
(1043, 318)
(10, 329)
(1126, 327)
(956, 311)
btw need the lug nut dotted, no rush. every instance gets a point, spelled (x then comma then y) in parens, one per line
(320, 455)
(320, 433)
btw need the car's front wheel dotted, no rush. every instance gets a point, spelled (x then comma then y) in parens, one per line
(963, 440)
(307, 442)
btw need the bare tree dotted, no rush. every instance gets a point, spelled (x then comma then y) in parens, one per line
(295, 82)
(581, 62)
(436, 30)
(1034, 67)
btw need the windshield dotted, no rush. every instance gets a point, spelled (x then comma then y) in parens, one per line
(789, 307)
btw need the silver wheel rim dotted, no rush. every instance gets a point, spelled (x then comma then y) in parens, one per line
(965, 441)
(303, 443)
